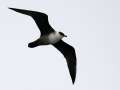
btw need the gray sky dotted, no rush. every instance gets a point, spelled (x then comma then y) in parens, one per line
(92, 27)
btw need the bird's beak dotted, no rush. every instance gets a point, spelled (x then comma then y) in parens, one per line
(65, 35)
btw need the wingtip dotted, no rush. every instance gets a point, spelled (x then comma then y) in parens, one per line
(73, 77)
(73, 81)
(23, 11)
(12, 8)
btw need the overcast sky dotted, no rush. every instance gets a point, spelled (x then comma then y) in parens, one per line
(92, 27)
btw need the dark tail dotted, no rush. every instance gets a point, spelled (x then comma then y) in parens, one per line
(33, 44)
(26, 12)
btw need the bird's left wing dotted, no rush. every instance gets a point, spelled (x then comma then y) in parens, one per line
(40, 18)
(69, 53)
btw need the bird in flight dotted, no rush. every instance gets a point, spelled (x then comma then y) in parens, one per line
(51, 37)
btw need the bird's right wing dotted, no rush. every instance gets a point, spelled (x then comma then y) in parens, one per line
(41, 20)
(69, 53)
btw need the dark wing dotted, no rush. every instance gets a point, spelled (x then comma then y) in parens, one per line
(41, 20)
(69, 53)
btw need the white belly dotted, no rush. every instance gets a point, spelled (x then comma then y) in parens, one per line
(54, 37)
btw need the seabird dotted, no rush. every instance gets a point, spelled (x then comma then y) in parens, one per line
(51, 37)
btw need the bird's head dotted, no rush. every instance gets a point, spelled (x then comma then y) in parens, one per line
(62, 34)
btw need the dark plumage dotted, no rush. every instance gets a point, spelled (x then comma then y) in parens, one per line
(69, 53)
(50, 36)
(41, 20)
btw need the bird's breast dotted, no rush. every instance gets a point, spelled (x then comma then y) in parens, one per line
(54, 37)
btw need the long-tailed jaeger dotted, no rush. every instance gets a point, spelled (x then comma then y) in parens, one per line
(51, 37)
